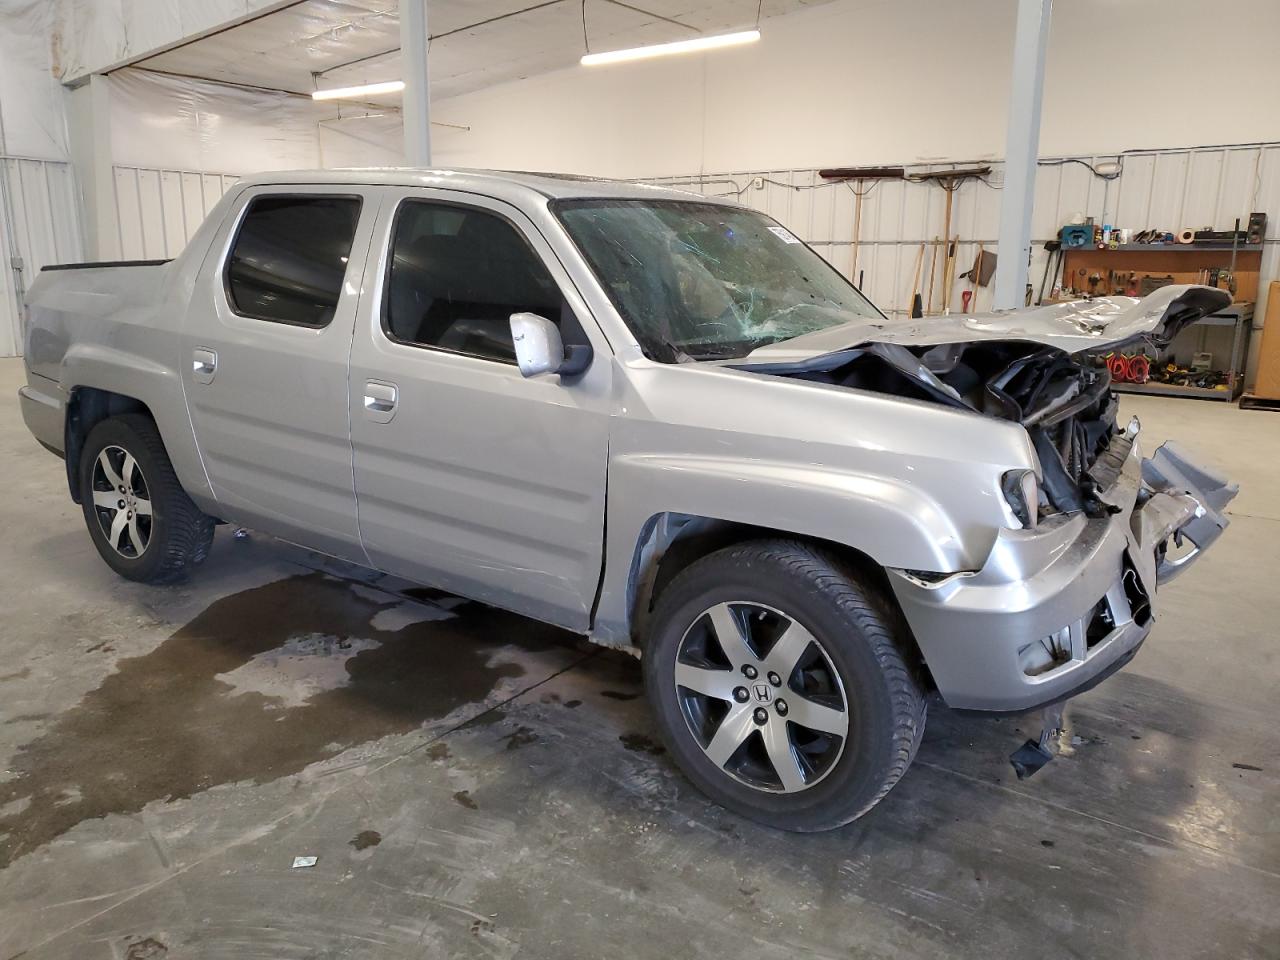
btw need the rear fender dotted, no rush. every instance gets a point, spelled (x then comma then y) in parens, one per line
(131, 377)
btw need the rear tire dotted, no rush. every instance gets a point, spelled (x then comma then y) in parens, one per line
(141, 520)
(833, 711)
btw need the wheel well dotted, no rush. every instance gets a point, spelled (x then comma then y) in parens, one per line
(670, 542)
(87, 407)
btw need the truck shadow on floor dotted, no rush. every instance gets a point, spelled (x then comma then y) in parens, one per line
(209, 705)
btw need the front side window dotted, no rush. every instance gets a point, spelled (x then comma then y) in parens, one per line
(456, 276)
(289, 258)
(696, 280)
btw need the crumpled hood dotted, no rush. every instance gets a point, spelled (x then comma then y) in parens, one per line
(1035, 367)
(1085, 325)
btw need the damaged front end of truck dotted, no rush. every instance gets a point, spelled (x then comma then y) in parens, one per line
(1066, 598)
(1034, 367)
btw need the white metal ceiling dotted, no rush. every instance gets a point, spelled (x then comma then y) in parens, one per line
(475, 43)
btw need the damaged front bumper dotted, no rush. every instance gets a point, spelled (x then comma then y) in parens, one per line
(1056, 609)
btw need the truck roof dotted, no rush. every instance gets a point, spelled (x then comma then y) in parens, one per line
(498, 183)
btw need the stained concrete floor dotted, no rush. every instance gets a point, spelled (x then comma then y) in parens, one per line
(476, 785)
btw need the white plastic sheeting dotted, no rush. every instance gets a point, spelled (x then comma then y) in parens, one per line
(93, 36)
(478, 42)
(169, 122)
(174, 123)
(32, 120)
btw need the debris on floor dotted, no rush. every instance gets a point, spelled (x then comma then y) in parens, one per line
(304, 862)
(146, 949)
(365, 839)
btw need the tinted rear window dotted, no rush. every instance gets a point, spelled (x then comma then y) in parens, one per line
(290, 257)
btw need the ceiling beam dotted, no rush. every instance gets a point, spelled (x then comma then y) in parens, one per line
(255, 87)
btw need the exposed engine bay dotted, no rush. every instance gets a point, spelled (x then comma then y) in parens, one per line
(1064, 401)
(1016, 371)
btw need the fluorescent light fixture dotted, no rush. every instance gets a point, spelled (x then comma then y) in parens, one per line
(350, 93)
(679, 46)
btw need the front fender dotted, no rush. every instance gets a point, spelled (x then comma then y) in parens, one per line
(891, 521)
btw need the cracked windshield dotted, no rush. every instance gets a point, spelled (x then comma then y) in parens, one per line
(701, 281)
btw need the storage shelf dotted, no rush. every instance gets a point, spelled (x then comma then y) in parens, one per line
(1170, 390)
(1169, 247)
(1229, 316)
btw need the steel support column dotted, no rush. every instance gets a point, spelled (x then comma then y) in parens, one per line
(417, 100)
(89, 135)
(1022, 147)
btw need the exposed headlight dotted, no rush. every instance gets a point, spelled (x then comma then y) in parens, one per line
(1022, 493)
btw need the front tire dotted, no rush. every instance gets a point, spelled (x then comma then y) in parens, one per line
(141, 520)
(782, 685)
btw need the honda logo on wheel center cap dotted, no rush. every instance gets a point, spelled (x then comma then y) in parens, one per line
(762, 692)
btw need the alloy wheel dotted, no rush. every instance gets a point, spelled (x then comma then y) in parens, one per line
(761, 697)
(122, 502)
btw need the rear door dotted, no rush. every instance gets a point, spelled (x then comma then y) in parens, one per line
(469, 476)
(267, 344)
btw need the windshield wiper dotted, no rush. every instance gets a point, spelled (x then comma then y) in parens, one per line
(713, 355)
(719, 351)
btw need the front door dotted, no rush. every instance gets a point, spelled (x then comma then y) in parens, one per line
(469, 476)
(266, 347)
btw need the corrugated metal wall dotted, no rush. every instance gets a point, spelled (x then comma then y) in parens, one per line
(39, 224)
(1168, 189)
(157, 211)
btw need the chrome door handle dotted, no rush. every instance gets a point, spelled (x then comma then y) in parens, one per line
(380, 400)
(204, 364)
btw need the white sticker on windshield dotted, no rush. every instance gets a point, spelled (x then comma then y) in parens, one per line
(784, 233)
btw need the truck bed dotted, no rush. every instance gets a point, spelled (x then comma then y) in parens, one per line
(94, 306)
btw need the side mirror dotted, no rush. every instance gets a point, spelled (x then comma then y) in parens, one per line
(539, 348)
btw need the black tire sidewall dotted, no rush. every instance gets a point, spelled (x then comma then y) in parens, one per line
(862, 768)
(116, 432)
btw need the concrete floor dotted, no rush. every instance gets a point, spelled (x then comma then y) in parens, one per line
(476, 785)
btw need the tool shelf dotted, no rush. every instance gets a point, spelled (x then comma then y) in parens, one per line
(1239, 316)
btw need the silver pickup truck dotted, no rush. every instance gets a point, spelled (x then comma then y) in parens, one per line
(650, 417)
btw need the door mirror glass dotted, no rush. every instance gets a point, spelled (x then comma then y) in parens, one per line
(539, 348)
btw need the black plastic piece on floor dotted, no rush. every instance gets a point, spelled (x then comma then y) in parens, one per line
(1029, 758)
